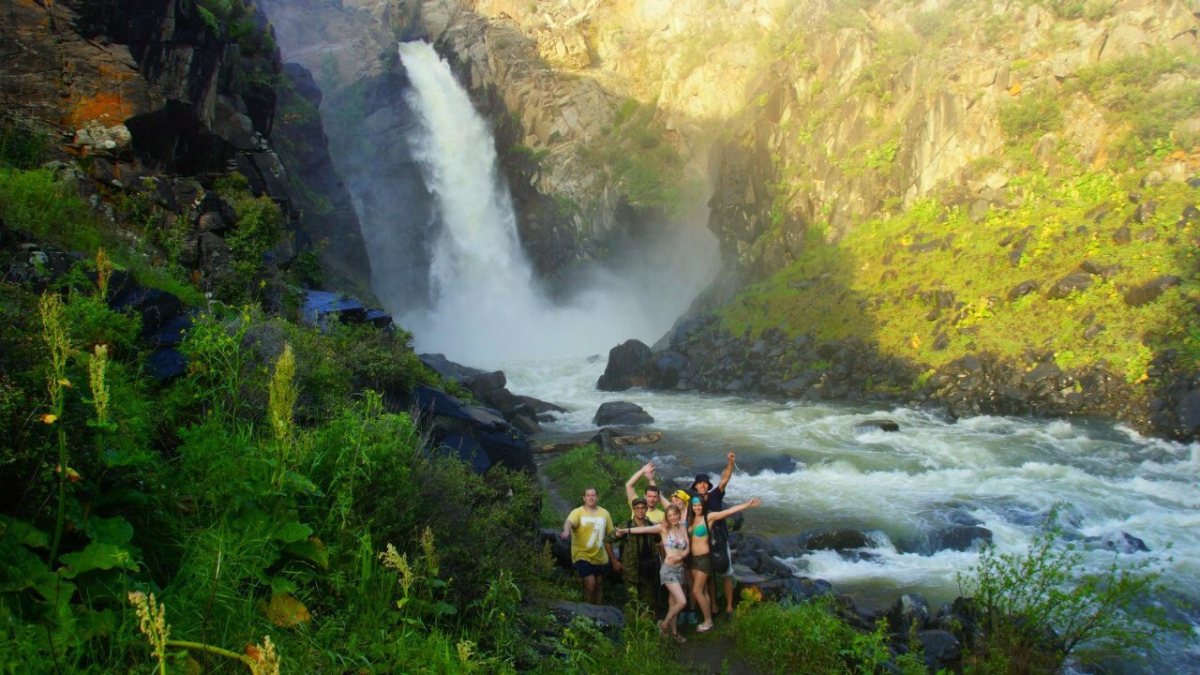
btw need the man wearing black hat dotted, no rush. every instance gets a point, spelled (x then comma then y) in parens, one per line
(714, 500)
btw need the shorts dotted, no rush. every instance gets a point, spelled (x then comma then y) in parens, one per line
(589, 569)
(701, 563)
(670, 575)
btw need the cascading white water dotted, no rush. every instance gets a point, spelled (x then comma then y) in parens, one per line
(487, 306)
(815, 469)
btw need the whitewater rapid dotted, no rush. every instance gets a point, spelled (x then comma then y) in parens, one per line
(1006, 473)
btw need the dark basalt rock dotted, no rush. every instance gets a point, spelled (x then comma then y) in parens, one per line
(483, 384)
(621, 413)
(867, 426)
(628, 365)
(165, 364)
(943, 652)
(447, 368)
(605, 616)
(319, 307)
(667, 369)
(961, 538)
(156, 307)
(449, 418)
(910, 612)
(837, 540)
(1022, 289)
(1076, 281)
(1150, 291)
(1121, 542)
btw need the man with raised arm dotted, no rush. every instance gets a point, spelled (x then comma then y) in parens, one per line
(588, 527)
(654, 510)
(714, 500)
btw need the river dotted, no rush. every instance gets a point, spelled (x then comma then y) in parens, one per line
(1006, 473)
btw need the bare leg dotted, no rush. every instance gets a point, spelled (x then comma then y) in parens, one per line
(700, 590)
(589, 589)
(676, 602)
(712, 592)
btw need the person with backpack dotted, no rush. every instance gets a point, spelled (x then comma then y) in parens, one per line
(714, 500)
(639, 555)
(702, 553)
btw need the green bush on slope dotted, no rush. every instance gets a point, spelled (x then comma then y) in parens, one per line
(878, 280)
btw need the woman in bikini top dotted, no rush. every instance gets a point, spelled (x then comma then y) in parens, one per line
(701, 561)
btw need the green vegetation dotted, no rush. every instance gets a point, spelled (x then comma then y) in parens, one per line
(1035, 112)
(648, 169)
(1037, 609)
(264, 511)
(877, 282)
(812, 638)
(1128, 91)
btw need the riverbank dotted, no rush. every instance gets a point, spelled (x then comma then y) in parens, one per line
(916, 497)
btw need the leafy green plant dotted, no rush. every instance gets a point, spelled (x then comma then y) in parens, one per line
(810, 638)
(1041, 606)
(1034, 113)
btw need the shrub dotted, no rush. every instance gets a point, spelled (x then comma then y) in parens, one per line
(1041, 606)
(810, 638)
(1034, 113)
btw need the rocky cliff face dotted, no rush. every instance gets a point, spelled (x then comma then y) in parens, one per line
(789, 113)
(159, 86)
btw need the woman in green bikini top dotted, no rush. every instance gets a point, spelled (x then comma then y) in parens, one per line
(701, 561)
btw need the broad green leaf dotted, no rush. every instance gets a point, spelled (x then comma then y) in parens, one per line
(444, 608)
(282, 585)
(311, 549)
(292, 532)
(108, 530)
(97, 556)
(252, 522)
(23, 532)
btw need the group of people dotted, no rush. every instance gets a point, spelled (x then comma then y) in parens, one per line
(681, 548)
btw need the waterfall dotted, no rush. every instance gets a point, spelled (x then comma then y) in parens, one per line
(487, 307)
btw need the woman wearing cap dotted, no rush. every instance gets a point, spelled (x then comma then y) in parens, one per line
(701, 560)
(680, 500)
(676, 543)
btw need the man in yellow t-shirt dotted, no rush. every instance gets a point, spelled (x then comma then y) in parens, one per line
(654, 509)
(588, 527)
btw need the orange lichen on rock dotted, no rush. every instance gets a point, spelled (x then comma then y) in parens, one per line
(108, 108)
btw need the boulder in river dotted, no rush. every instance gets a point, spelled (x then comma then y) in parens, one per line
(837, 540)
(628, 365)
(959, 537)
(621, 413)
(867, 426)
